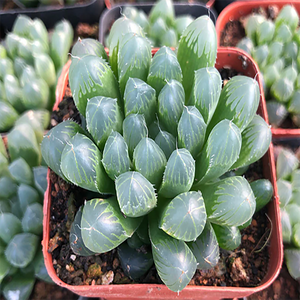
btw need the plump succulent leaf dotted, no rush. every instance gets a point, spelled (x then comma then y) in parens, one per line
(197, 49)
(229, 202)
(174, 261)
(294, 104)
(150, 161)
(220, 151)
(33, 219)
(88, 47)
(142, 19)
(27, 195)
(256, 139)
(238, 102)
(91, 76)
(287, 162)
(130, 12)
(290, 52)
(179, 174)
(184, 217)
(81, 165)
(115, 159)
(13, 92)
(28, 74)
(143, 232)
(45, 68)
(296, 235)
(246, 44)
(163, 9)
(5, 267)
(191, 130)
(290, 73)
(19, 285)
(6, 68)
(169, 38)
(263, 192)
(206, 248)
(134, 242)
(21, 249)
(103, 116)
(157, 30)
(10, 225)
(163, 68)
(260, 55)
(21, 172)
(8, 116)
(277, 112)
(286, 226)
(103, 226)
(229, 238)
(131, 63)
(25, 50)
(296, 180)
(76, 242)
(292, 259)
(289, 16)
(171, 99)
(40, 178)
(40, 270)
(55, 141)
(38, 31)
(166, 141)
(265, 32)
(119, 28)
(134, 263)
(140, 98)
(245, 225)
(8, 188)
(136, 195)
(12, 41)
(275, 51)
(252, 24)
(271, 74)
(283, 34)
(134, 129)
(284, 192)
(22, 26)
(4, 208)
(206, 91)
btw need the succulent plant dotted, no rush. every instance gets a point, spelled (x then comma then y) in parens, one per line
(275, 47)
(29, 70)
(21, 214)
(198, 130)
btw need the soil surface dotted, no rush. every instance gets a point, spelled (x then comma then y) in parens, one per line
(246, 266)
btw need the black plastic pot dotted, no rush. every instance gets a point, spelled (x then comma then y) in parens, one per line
(219, 5)
(109, 16)
(87, 13)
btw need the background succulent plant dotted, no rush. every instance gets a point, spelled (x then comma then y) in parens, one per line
(159, 159)
(275, 47)
(30, 64)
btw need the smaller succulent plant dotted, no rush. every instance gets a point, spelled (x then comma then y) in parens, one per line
(288, 184)
(29, 67)
(21, 215)
(275, 48)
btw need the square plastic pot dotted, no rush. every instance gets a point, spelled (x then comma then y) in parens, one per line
(227, 57)
(239, 9)
(110, 16)
(88, 13)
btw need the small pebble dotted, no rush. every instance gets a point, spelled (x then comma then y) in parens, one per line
(73, 257)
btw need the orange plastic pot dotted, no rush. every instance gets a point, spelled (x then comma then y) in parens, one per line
(239, 9)
(241, 62)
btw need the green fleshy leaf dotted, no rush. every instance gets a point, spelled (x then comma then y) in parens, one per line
(206, 91)
(103, 116)
(134, 263)
(45, 68)
(229, 238)
(134, 129)
(54, 142)
(246, 44)
(131, 63)
(75, 238)
(81, 165)
(22, 142)
(184, 217)
(8, 116)
(38, 31)
(229, 202)
(142, 19)
(288, 15)
(296, 235)
(40, 178)
(206, 248)
(103, 226)
(163, 9)
(6, 68)
(179, 174)
(119, 28)
(163, 68)
(130, 12)
(277, 113)
(12, 41)
(238, 102)
(271, 74)
(8, 188)
(166, 141)
(169, 38)
(143, 232)
(292, 259)
(28, 74)
(286, 226)
(256, 139)
(191, 130)
(13, 92)
(115, 156)
(25, 50)
(284, 192)
(4, 267)
(40, 270)
(91, 76)
(263, 192)
(283, 34)
(245, 225)
(293, 210)
(135, 194)
(88, 47)
(296, 180)
(22, 25)
(252, 24)
(294, 105)
(181, 23)
(290, 52)
(140, 98)
(220, 152)
(170, 105)
(4, 208)
(275, 51)
(134, 242)
(21, 172)
(27, 195)
(150, 161)
(265, 32)
(157, 30)
(174, 261)
(287, 162)
(33, 219)
(197, 49)
(290, 73)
